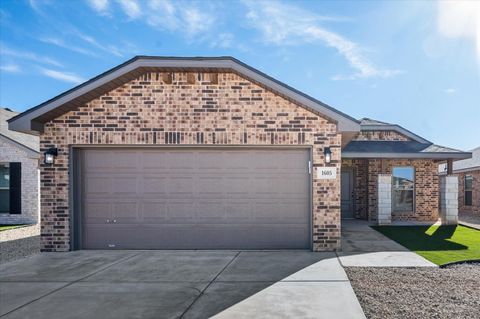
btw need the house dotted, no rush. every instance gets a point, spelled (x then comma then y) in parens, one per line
(210, 153)
(468, 172)
(19, 176)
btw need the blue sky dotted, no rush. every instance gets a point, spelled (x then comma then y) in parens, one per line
(412, 63)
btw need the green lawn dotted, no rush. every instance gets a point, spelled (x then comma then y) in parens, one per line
(439, 244)
(7, 227)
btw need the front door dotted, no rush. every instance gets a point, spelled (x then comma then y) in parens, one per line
(347, 193)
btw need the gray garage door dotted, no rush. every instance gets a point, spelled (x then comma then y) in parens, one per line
(147, 198)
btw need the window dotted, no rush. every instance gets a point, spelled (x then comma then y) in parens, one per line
(4, 188)
(468, 190)
(403, 180)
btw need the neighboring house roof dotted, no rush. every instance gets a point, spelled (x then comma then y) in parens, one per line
(400, 149)
(32, 120)
(466, 164)
(31, 142)
(367, 124)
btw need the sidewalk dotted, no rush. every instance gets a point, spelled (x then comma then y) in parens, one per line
(321, 290)
(362, 246)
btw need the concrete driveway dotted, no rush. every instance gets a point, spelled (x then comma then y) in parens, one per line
(177, 284)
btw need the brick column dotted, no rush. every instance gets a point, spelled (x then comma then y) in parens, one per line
(449, 200)
(384, 203)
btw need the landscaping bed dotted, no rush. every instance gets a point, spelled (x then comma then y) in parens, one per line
(451, 292)
(19, 242)
(439, 244)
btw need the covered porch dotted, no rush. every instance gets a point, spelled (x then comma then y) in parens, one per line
(387, 182)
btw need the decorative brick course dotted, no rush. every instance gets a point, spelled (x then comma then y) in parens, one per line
(426, 187)
(189, 109)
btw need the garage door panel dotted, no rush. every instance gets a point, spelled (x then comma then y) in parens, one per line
(124, 184)
(184, 185)
(233, 198)
(210, 211)
(180, 212)
(125, 211)
(153, 211)
(97, 185)
(97, 212)
(283, 212)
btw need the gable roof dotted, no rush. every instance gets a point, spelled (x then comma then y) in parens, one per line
(367, 124)
(32, 120)
(31, 142)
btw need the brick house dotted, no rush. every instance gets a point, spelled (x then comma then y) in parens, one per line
(468, 173)
(19, 176)
(210, 153)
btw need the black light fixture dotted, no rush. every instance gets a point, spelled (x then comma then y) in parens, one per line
(49, 155)
(328, 154)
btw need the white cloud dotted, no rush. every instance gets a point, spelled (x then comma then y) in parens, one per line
(450, 91)
(180, 16)
(93, 42)
(460, 19)
(100, 6)
(24, 55)
(10, 68)
(283, 24)
(60, 43)
(224, 40)
(131, 8)
(63, 76)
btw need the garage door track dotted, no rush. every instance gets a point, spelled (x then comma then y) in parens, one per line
(170, 284)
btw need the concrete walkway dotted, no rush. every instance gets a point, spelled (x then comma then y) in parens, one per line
(362, 246)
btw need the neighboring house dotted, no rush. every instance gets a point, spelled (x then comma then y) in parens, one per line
(210, 153)
(468, 172)
(19, 177)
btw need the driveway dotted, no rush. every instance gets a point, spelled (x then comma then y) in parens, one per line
(177, 284)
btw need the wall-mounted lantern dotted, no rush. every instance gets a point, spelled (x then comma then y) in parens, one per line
(49, 155)
(328, 154)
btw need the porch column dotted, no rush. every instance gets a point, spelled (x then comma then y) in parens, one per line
(449, 200)
(384, 205)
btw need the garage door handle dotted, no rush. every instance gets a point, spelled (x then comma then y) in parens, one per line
(114, 220)
(108, 220)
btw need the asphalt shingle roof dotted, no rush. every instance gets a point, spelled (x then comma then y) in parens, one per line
(30, 141)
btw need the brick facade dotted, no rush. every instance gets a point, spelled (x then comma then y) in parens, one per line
(10, 152)
(426, 187)
(189, 109)
(475, 208)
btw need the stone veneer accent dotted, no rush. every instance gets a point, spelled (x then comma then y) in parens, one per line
(426, 187)
(475, 208)
(384, 195)
(449, 199)
(189, 109)
(9, 152)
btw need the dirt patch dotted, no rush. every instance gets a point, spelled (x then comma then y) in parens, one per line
(451, 292)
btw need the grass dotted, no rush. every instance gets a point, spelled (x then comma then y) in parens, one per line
(439, 244)
(7, 227)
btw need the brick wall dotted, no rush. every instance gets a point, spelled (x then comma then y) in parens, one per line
(426, 187)
(381, 136)
(475, 208)
(192, 109)
(11, 153)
